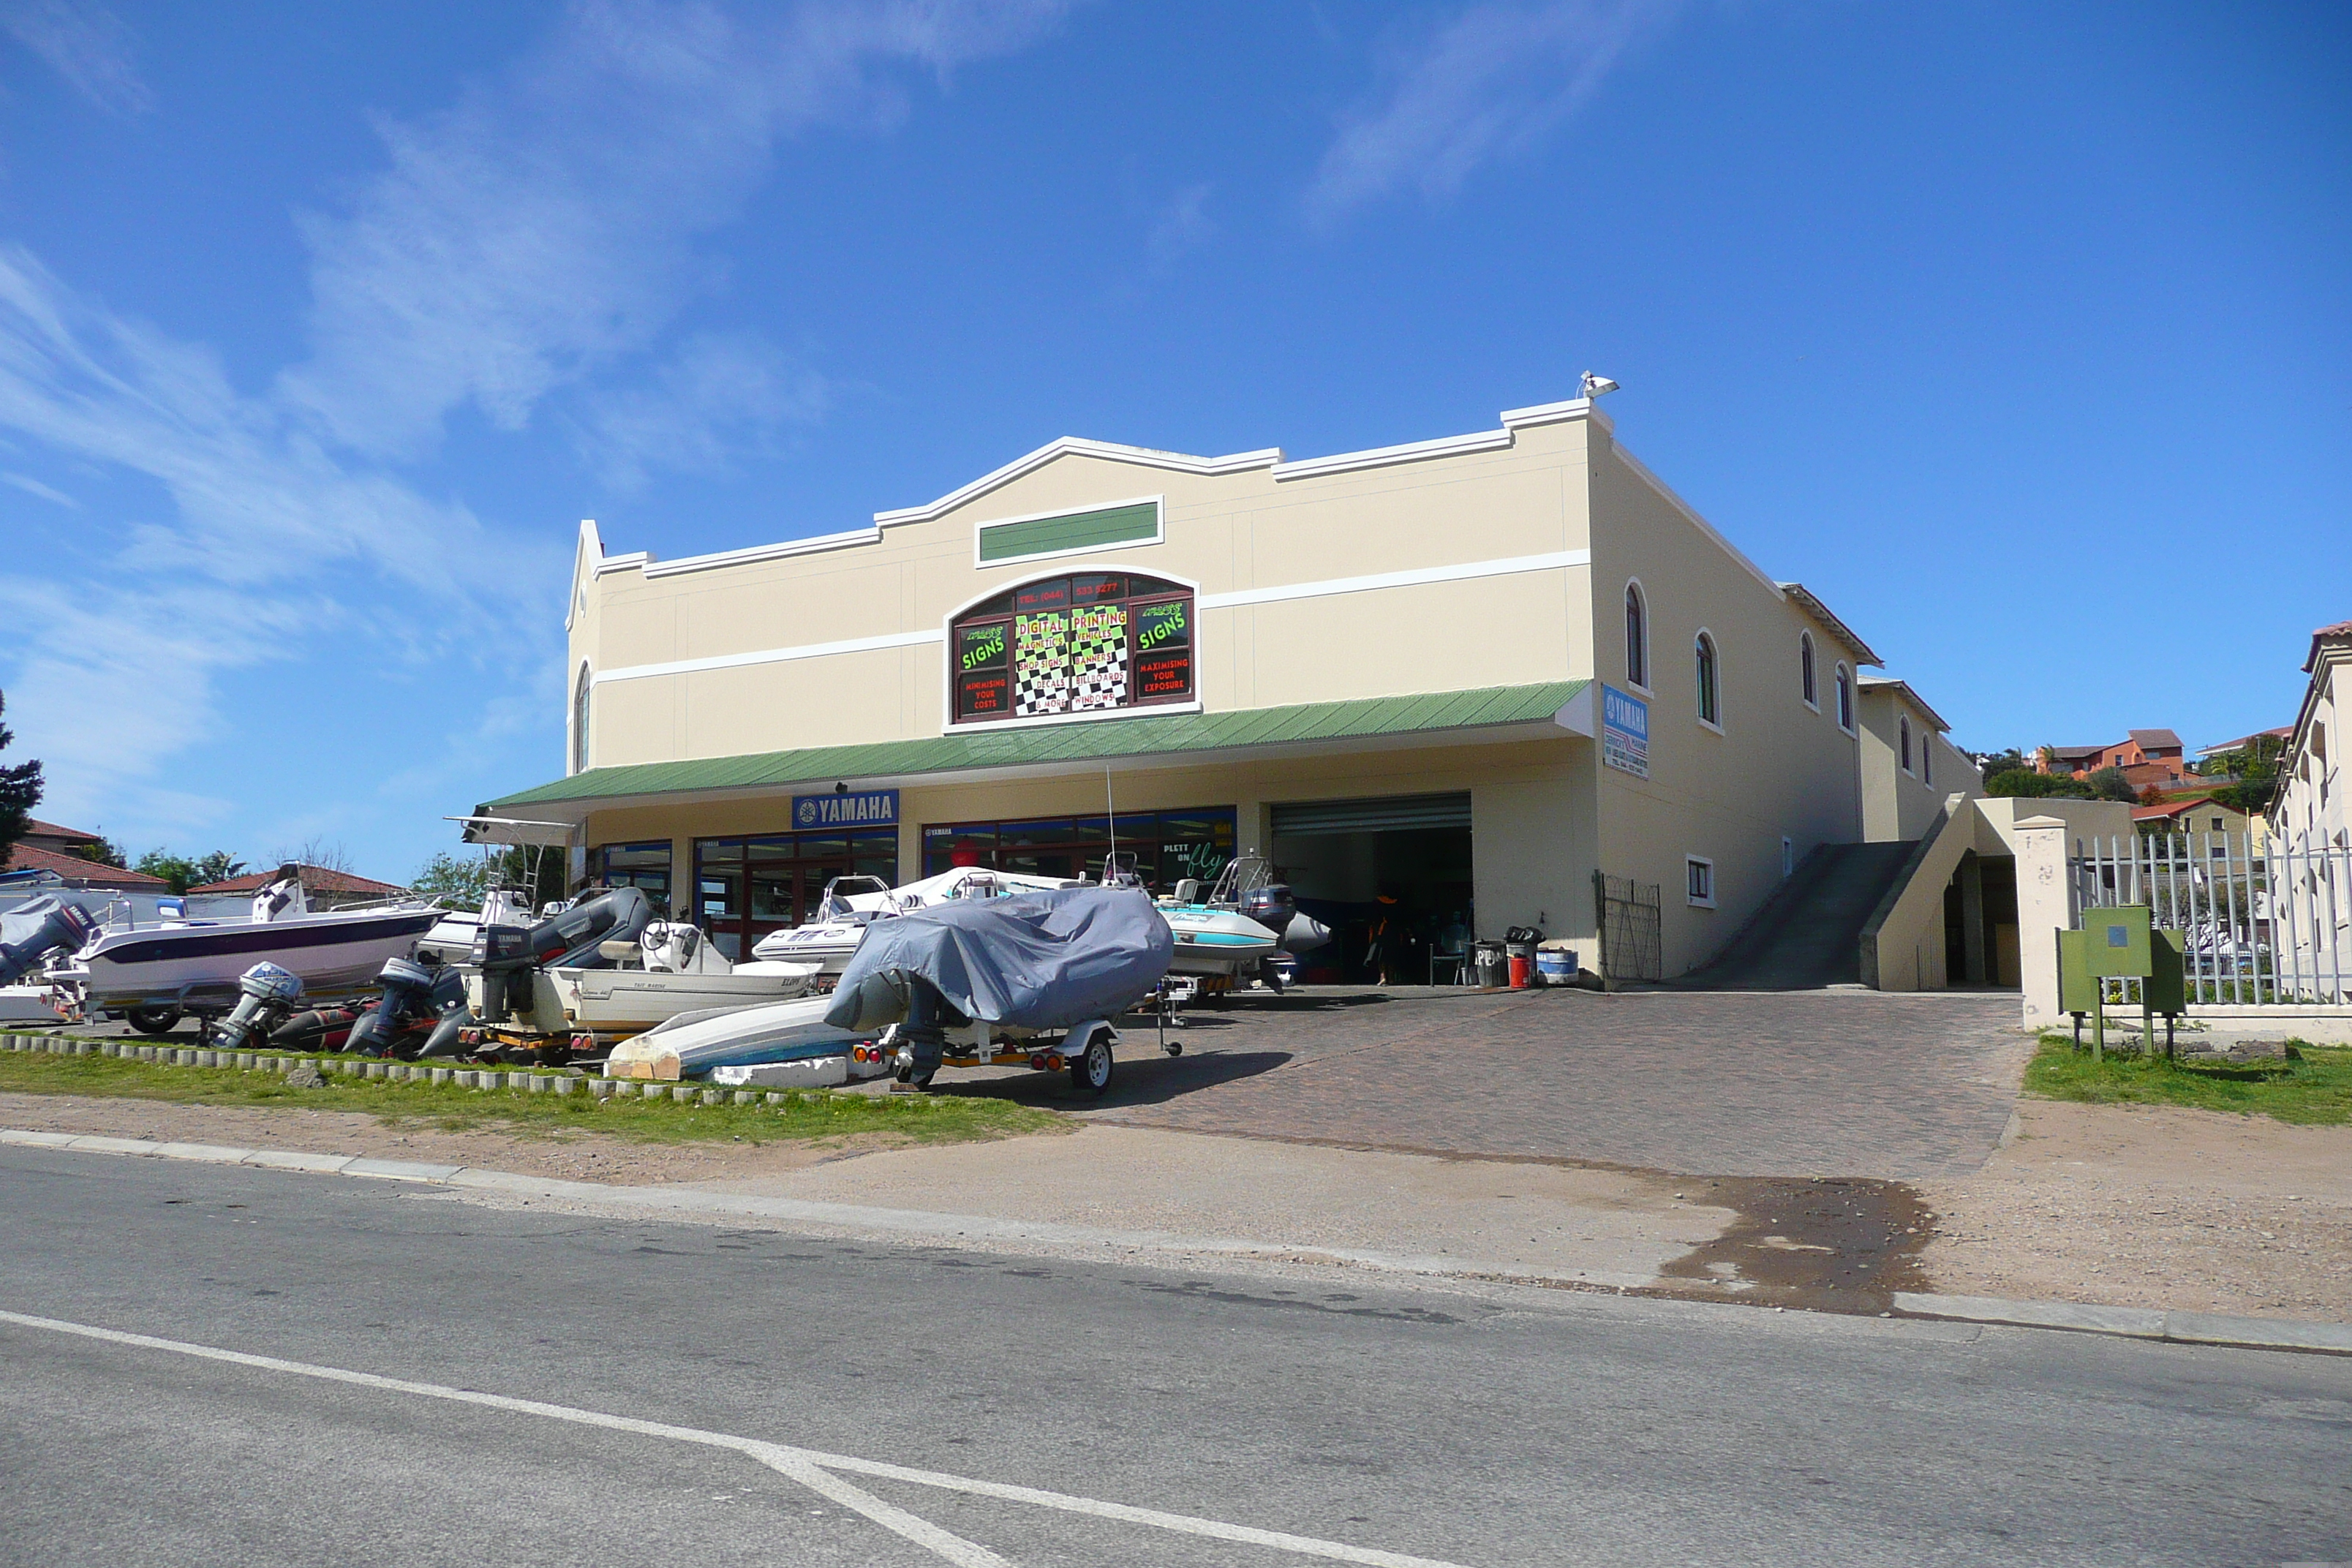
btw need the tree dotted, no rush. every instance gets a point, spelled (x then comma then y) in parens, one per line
(2255, 770)
(217, 867)
(2151, 795)
(20, 791)
(462, 880)
(320, 855)
(2109, 783)
(182, 873)
(2026, 784)
(105, 852)
(458, 881)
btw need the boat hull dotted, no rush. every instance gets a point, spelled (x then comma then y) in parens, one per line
(631, 1001)
(198, 965)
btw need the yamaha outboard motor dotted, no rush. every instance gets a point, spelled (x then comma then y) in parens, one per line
(265, 990)
(413, 993)
(39, 927)
(508, 955)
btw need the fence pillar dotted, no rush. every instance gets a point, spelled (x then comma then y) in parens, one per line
(2042, 911)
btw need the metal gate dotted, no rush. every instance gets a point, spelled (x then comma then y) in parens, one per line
(1631, 919)
(2264, 922)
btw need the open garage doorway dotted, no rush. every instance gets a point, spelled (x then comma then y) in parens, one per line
(1391, 877)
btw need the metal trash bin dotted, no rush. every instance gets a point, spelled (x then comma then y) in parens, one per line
(1493, 967)
(1519, 946)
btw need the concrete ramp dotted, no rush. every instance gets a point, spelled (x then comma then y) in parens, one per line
(1808, 934)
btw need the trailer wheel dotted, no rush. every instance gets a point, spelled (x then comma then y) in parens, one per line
(1091, 1070)
(155, 1020)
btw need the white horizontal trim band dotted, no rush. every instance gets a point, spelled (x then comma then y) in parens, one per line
(1509, 566)
(1505, 567)
(771, 655)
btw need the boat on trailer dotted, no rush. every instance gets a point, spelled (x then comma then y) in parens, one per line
(152, 974)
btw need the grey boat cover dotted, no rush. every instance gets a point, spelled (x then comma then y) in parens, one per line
(1034, 960)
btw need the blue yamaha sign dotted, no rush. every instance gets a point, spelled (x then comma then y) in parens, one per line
(861, 808)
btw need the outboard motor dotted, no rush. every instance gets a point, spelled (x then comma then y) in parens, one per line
(60, 928)
(413, 992)
(265, 989)
(508, 956)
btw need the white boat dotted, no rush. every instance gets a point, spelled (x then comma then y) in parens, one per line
(852, 903)
(669, 969)
(170, 969)
(694, 1044)
(1211, 940)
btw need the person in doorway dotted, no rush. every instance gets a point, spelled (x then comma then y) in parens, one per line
(1384, 937)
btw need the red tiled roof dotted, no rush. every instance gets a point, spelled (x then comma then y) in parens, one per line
(2175, 807)
(317, 879)
(74, 869)
(51, 830)
(2340, 632)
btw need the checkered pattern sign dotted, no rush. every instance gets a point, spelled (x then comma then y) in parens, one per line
(1098, 658)
(1041, 663)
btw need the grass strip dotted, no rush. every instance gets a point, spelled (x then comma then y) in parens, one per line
(2313, 1088)
(805, 1113)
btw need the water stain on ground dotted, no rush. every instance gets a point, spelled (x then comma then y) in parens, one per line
(1828, 1244)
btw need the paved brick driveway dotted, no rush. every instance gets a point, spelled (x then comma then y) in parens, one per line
(1807, 1083)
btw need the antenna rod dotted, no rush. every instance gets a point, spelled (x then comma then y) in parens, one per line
(1111, 807)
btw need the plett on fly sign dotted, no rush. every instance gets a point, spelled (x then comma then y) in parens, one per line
(1624, 732)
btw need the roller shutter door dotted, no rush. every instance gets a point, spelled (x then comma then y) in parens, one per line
(1390, 811)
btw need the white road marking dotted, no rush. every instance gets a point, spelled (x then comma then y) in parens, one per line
(807, 1466)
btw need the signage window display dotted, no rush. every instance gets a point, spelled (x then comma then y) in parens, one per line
(1089, 642)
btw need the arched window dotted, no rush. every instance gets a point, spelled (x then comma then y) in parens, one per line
(1082, 642)
(1637, 638)
(1903, 729)
(1845, 700)
(580, 692)
(1805, 667)
(1927, 758)
(1710, 696)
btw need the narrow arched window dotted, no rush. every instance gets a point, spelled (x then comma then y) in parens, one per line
(1710, 698)
(580, 720)
(1637, 638)
(1845, 700)
(1903, 729)
(1805, 666)
(1927, 758)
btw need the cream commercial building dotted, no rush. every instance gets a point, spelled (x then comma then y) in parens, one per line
(1442, 684)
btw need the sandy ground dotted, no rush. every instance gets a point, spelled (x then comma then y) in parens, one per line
(2154, 1206)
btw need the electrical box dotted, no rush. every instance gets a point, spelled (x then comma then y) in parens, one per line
(2077, 992)
(2167, 986)
(2116, 941)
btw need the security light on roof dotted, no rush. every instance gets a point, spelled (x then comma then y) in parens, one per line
(1593, 385)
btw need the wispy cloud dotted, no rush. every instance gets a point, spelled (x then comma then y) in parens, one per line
(33, 487)
(536, 240)
(718, 399)
(1181, 224)
(86, 43)
(543, 229)
(1489, 83)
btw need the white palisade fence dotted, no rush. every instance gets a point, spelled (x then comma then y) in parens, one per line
(2266, 922)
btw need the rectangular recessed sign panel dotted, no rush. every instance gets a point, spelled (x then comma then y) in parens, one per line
(1136, 522)
(859, 808)
(1624, 732)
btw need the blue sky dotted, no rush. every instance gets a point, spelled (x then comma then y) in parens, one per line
(2020, 332)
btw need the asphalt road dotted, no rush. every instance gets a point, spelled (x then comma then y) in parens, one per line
(1480, 1429)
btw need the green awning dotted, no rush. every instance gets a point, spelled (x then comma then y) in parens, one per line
(1171, 734)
